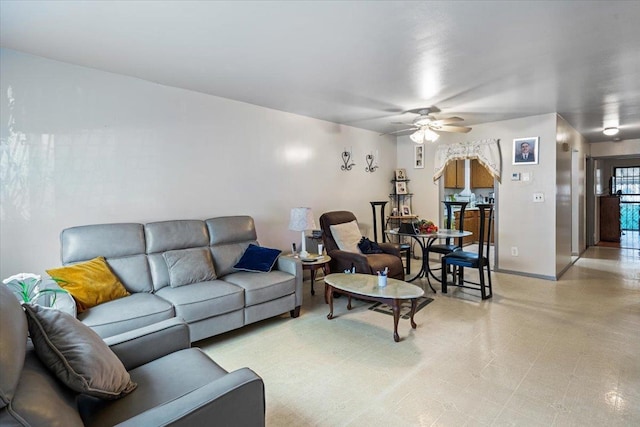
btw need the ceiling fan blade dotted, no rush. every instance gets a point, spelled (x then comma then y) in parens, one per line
(448, 128)
(448, 120)
(395, 132)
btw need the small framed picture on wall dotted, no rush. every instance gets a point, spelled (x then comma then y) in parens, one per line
(401, 174)
(418, 157)
(401, 187)
(525, 151)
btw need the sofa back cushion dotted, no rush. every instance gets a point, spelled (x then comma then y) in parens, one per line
(41, 399)
(13, 342)
(229, 238)
(167, 236)
(34, 395)
(123, 246)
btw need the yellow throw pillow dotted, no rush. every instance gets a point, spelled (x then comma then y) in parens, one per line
(90, 283)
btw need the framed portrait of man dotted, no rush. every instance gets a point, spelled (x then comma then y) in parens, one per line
(525, 151)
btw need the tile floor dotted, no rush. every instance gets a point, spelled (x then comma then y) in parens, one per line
(540, 353)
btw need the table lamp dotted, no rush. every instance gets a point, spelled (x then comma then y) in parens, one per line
(302, 220)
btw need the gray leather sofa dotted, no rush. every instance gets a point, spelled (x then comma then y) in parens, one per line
(176, 385)
(135, 254)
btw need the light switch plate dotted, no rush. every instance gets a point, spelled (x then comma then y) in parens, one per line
(515, 176)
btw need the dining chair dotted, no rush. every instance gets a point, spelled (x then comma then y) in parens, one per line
(460, 259)
(451, 244)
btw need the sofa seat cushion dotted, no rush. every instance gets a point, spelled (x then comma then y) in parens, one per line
(159, 382)
(128, 313)
(263, 287)
(203, 300)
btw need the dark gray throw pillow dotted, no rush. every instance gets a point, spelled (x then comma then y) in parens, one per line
(76, 354)
(188, 266)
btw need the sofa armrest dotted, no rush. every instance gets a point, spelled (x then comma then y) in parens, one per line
(343, 260)
(292, 266)
(390, 248)
(237, 399)
(139, 346)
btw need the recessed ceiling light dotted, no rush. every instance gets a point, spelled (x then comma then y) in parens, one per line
(610, 131)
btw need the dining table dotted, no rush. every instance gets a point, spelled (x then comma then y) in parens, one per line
(425, 240)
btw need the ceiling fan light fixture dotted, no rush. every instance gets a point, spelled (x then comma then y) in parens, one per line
(417, 136)
(611, 131)
(430, 135)
(424, 135)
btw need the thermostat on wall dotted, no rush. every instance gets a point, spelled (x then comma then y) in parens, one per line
(515, 176)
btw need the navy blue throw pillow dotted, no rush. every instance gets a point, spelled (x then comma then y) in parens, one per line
(257, 259)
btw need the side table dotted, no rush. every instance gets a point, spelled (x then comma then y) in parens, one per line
(314, 266)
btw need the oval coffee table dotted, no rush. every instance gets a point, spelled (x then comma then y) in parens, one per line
(365, 286)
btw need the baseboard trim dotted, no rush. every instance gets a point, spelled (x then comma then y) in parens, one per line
(520, 273)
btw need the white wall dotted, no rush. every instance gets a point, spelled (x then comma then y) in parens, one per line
(90, 147)
(571, 152)
(531, 227)
(616, 149)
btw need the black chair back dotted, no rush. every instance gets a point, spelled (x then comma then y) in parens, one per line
(449, 206)
(484, 231)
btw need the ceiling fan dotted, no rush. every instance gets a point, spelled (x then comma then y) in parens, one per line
(425, 125)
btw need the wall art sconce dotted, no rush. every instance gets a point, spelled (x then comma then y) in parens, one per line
(346, 159)
(371, 163)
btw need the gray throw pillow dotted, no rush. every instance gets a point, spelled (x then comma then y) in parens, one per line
(76, 354)
(188, 266)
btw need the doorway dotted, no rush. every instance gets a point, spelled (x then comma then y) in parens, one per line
(626, 183)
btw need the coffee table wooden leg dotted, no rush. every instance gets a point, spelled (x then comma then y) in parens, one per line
(349, 303)
(313, 279)
(396, 319)
(329, 296)
(414, 303)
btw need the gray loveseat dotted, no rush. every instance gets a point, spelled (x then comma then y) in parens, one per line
(176, 385)
(135, 254)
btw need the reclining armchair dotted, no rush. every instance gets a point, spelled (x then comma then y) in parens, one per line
(168, 383)
(341, 236)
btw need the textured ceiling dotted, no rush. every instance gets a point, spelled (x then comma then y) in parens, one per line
(362, 63)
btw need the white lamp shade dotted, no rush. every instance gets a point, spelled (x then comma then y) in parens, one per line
(301, 219)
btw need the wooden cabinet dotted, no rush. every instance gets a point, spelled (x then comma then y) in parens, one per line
(480, 176)
(454, 174)
(610, 218)
(470, 224)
